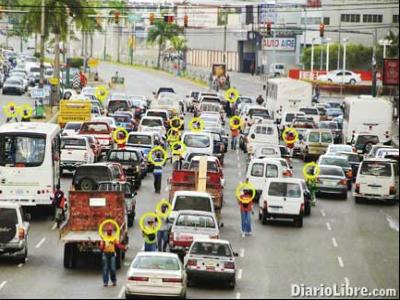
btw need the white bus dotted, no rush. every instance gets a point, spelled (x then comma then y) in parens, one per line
(29, 162)
(367, 115)
(287, 95)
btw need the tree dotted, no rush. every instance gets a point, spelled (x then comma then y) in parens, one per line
(160, 33)
(393, 49)
(179, 44)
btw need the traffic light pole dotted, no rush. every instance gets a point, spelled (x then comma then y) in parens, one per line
(42, 42)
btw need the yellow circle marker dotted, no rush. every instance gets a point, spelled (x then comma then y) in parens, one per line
(171, 137)
(107, 238)
(199, 121)
(231, 95)
(182, 150)
(11, 110)
(243, 186)
(117, 139)
(25, 111)
(157, 149)
(171, 122)
(234, 120)
(101, 93)
(163, 202)
(146, 228)
(317, 170)
(290, 130)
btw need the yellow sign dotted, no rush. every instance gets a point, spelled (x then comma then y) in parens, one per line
(54, 81)
(92, 62)
(75, 111)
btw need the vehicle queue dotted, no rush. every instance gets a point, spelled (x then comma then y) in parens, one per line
(130, 136)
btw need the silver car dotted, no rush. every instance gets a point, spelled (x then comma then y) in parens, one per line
(332, 181)
(13, 85)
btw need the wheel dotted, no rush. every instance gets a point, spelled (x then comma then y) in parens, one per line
(358, 200)
(70, 253)
(264, 220)
(353, 82)
(87, 184)
(232, 284)
(299, 222)
(344, 196)
(22, 258)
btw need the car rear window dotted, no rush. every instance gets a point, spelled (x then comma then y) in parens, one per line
(333, 161)
(157, 114)
(211, 166)
(123, 156)
(264, 130)
(72, 143)
(284, 189)
(211, 249)
(122, 119)
(314, 137)
(373, 168)
(257, 170)
(118, 105)
(101, 173)
(152, 122)
(95, 128)
(195, 221)
(268, 151)
(156, 263)
(365, 139)
(331, 172)
(139, 139)
(192, 203)
(197, 141)
(326, 138)
(8, 216)
(309, 111)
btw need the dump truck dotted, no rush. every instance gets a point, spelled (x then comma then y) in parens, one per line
(87, 210)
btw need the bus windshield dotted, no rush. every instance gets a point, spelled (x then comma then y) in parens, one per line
(22, 151)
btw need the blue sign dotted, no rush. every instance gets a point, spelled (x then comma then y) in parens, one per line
(267, 13)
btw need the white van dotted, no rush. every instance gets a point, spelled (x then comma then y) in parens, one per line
(282, 198)
(311, 112)
(198, 142)
(268, 151)
(288, 118)
(262, 134)
(189, 200)
(260, 170)
(377, 179)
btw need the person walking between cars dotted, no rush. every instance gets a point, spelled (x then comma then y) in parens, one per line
(157, 173)
(260, 100)
(162, 234)
(234, 138)
(109, 248)
(58, 202)
(246, 209)
(150, 240)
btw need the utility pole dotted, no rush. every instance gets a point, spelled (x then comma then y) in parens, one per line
(225, 34)
(340, 43)
(42, 41)
(374, 64)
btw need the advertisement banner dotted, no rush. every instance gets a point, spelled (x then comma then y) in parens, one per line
(74, 111)
(279, 43)
(267, 13)
(391, 71)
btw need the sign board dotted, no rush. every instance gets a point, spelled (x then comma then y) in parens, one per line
(267, 13)
(92, 62)
(39, 93)
(118, 80)
(54, 81)
(391, 71)
(75, 111)
(280, 44)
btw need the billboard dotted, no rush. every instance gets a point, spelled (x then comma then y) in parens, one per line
(391, 71)
(279, 43)
(267, 13)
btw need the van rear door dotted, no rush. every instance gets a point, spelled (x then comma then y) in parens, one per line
(375, 178)
(284, 198)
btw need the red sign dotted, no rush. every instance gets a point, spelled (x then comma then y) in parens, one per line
(391, 71)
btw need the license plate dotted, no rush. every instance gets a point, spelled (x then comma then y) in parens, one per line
(275, 209)
(210, 264)
(155, 281)
(330, 183)
(19, 192)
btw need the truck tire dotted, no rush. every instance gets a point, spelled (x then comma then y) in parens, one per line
(118, 259)
(70, 256)
(87, 184)
(299, 222)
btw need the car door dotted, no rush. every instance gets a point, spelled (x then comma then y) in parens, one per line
(338, 78)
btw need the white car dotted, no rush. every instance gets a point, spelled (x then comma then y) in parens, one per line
(211, 260)
(71, 128)
(336, 148)
(337, 77)
(282, 198)
(268, 151)
(75, 151)
(156, 274)
(198, 142)
(260, 135)
(288, 118)
(152, 124)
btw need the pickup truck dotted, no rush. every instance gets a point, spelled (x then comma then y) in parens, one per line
(101, 131)
(75, 151)
(87, 210)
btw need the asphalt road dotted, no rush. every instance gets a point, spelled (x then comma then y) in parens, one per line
(341, 242)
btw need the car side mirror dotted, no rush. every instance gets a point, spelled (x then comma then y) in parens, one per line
(28, 217)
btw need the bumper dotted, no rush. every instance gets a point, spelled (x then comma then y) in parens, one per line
(269, 215)
(154, 291)
(13, 248)
(332, 190)
(207, 275)
(12, 91)
(382, 198)
(179, 249)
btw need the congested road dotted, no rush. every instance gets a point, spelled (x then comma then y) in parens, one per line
(341, 242)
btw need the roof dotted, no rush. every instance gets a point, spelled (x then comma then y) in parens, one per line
(158, 254)
(213, 241)
(41, 128)
(196, 212)
(192, 193)
(379, 160)
(285, 180)
(266, 159)
(209, 158)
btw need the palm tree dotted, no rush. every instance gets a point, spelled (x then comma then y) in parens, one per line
(179, 44)
(162, 32)
(393, 49)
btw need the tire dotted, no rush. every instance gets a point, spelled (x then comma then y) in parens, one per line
(344, 196)
(22, 259)
(118, 259)
(358, 200)
(352, 82)
(87, 184)
(232, 284)
(70, 254)
(298, 222)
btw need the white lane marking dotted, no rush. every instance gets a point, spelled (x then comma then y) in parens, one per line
(238, 158)
(323, 213)
(121, 292)
(20, 265)
(393, 224)
(241, 252)
(54, 226)
(40, 243)
(347, 281)
(239, 275)
(3, 284)
(237, 295)
(340, 260)
(328, 225)
(334, 242)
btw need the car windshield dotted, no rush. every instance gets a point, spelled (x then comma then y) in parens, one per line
(22, 151)
(284, 189)
(211, 166)
(159, 114)
(328, 125)
(192, 203)
(374, 168)
(151, 122)
(197, 141)
(156, 263)
(123, 156)
(196, 221)
(73, 143)
(259, 112)
(116, 105)
(137, 139)
(14, 82)
(334, 161)
(326, 138)
(73, 126)
(314, 137)
(331, 172)
(365, 139)
(95, 128)
(211, 249)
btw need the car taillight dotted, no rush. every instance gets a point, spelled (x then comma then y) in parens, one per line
(21, 233)
(392, 190)
(319, 180)
(354, 149)
(343, 182)
(357, 189)
(137, 278)
(172, 280)
(192, 262)
(171, 237)
(229, 265)
(287, 173)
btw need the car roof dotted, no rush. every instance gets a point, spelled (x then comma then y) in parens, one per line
(191, 193)
(285, 180)
(332, 156)
(372, 159)
(330, 167)
(197, 212)
(209, 158)
(202, 239)
(265, 160)
(158, 254)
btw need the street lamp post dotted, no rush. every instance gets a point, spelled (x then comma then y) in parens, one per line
(385, 43)
(345, 40)
(328, 41)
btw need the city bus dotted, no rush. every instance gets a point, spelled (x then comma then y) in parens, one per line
(29, 162)
(368, 115)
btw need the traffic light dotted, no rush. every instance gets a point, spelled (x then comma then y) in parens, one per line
(269, 28)
(186, 21)
(151, 18)
(169, 19)
(117, 14)
(321, 30)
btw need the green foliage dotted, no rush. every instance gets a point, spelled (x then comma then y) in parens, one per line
(76, 62)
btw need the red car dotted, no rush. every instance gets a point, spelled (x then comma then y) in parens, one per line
(101, 131)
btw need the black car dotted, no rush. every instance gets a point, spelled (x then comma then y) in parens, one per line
(363, 142)
(87, 177)
(131, 163)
